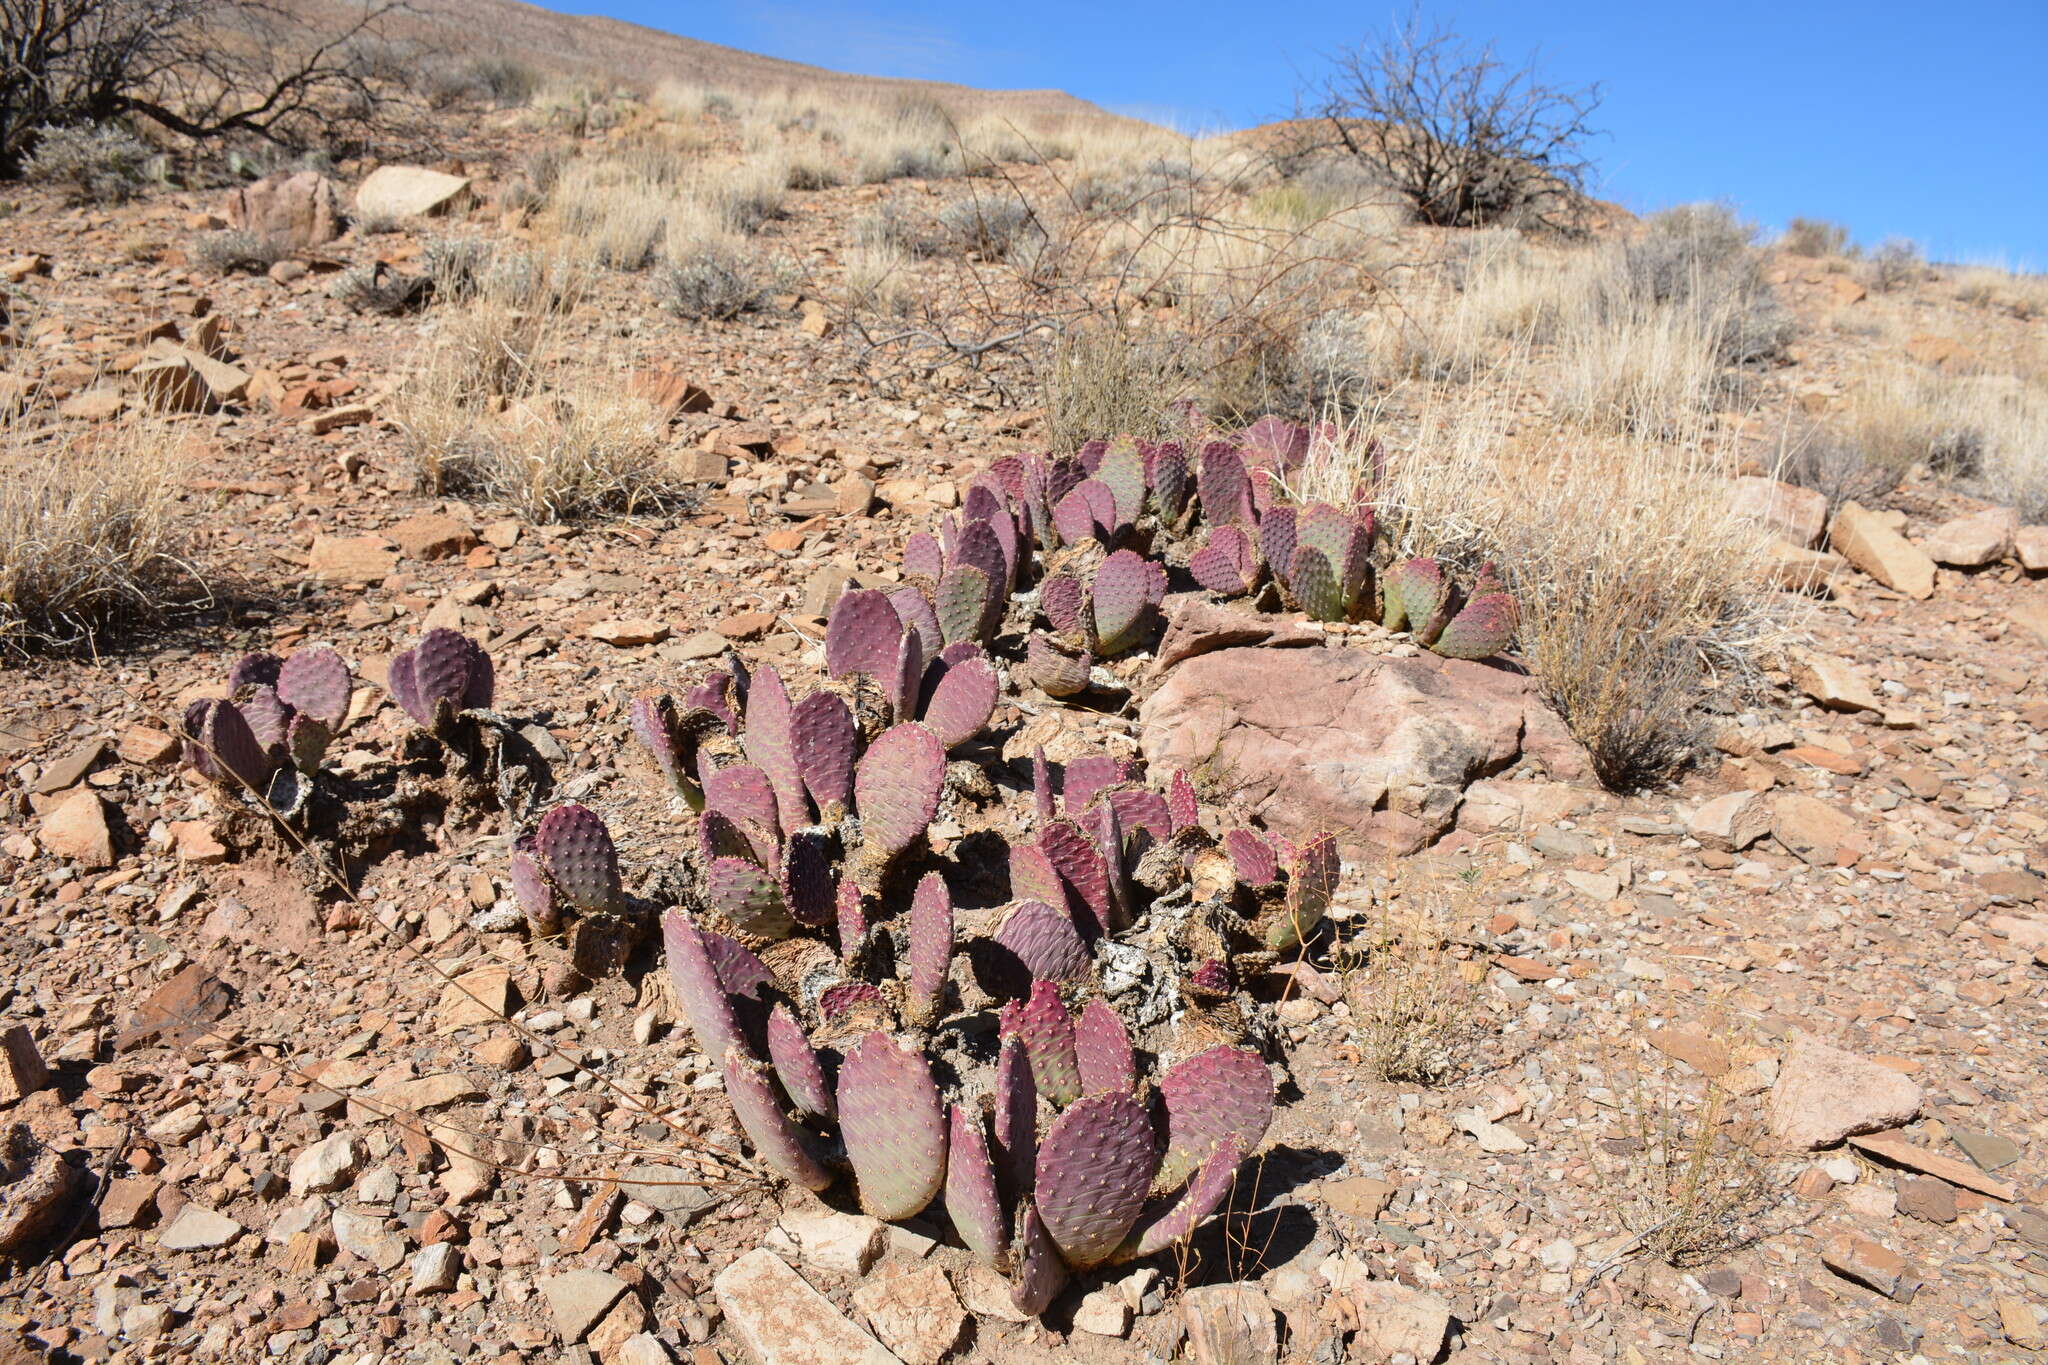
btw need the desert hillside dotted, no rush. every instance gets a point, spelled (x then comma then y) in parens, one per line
(670, 708)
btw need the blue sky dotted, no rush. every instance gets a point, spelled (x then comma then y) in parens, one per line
(1923, 120)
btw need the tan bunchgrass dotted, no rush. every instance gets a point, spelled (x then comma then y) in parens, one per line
(1984, 432)
(1637, 583)
(1415, 1012)
(89, 540)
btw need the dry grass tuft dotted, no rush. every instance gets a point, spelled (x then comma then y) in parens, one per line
(88, 537)
(1417, 1017)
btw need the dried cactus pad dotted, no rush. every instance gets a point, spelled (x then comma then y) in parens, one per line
(894, 1127)
(971, 1198)
(575, 849)
(1223, 1092)
(896, 787)
(1038, 1273)
(1094, 1170)
(778, 1142)
(1056, 672)
(315, 682)
(1256, 862)
(1483, 629)
(1312, 875)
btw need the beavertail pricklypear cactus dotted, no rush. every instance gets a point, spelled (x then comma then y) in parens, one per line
(896, 790)
(1228, 564)
(1126, 594)
(894, 1126)
(671, 736)
(443, 675)
(573, 847)
(315, 683)
(219, 744)
(1485, 625)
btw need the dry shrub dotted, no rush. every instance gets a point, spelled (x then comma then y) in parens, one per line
(1637, 584)
(94, 163)
(1814, 237)
(233, 249)
(1829, 462)
(1108, 379)
(88, 539)
(1418, 1020)
(1895, 264)
(1987, 433)
(1685, 1173)
(717, 278)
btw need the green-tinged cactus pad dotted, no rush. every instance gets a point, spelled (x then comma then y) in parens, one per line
(1122, 471)
(698, 991)
(1126, 596)
(797, 1066)
(1102, 1051)
(305, 742)
(971, 1198)
(825, 739)
(893, 1125)
(1053, 670)
(1414, 589)
(315, 682)
(1033, 877)
(1311, 882)
(780, 1144)
(962, 702)
(575, 850)
(962, 601)
(1044, 942)
(862, 635)
(896, 787)
(1314, 583)
(931, 949)
(748, 897)
(770, 742)
(1483, 629)
(1177, 1222)
(1041, 1022)
(1223, 1092)
(979, 548)
(1038, 1274)
(1094, 1169)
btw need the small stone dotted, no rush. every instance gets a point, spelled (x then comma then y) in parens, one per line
(680, 1194)
(22, 1070)
(180, 1126)
(71, 769)
(431, 536)
(748, 625)
(504, 1053)
(436, 1268)
(1102, 1312)
(1703, 1054)
(783, 1321)
(627, 1319)
(914, 1312)
(194, 1228)
(482, 996)
(1834, 683)
(846, 1243)
(1823, 1095)
(370, 1238)
(1974, 541)
(627, 634)
(327, 1165)
(1358, 1196)
(351, 559)
(1230, 1324)
(1928, 1199)
(1989, 1151)
(429, 1092)
(147, 746)
(1493, 1137)
(1800, 515)
(1814, 831)
(1398, 1320)
(130, 1201)
(77, 829)
(1866, 1262)
(1861, 536)
(642, 1349)
(703, 644)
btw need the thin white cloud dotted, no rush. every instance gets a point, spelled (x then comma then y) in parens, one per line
(865, 44)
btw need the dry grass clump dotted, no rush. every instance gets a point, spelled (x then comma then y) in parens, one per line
(2024, 294)
(232, 249)
(1110, 378)
(1416, 1016)
(716, 278)
(1986, 433)
(1684, 1173)
(1814, 237)
(88, 537)
(878, 280)
(96, 163)
(1637, 584)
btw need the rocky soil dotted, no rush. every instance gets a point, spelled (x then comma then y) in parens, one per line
(255, 1121)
